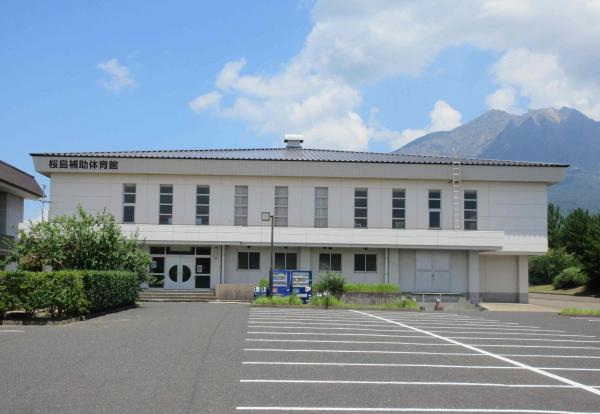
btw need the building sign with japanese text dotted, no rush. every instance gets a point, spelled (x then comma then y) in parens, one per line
(83, 164)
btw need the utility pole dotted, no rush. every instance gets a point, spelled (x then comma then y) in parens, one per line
(267, 216)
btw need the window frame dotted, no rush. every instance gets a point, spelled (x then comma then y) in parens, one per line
(322, 220)
(240, 219)
(365, 208)
(434, 210)
(465, 210)
(365, 262)
(395, 196)
(207, 205)
(129, 203)
(279, 219)
(161, 203)
(330, 260)
(247, 260)
(285, 260)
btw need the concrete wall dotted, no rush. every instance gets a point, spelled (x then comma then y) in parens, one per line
(518, 208)
(11, 212)
(499, 278)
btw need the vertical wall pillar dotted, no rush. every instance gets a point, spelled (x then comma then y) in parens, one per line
(222, 273)
(305, 258)
(473, 270)
(387, 265)
(523, 267)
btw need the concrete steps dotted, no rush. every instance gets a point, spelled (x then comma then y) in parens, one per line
(177, 296)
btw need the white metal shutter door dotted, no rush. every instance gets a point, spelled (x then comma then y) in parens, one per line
(424, 276)
(441, 272)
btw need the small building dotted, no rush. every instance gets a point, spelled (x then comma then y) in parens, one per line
(15, 187)
(428, 224)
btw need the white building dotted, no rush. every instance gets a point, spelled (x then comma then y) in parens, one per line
(424, 223)
(16, 186)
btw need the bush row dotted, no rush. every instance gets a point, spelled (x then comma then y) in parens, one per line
(66, 292)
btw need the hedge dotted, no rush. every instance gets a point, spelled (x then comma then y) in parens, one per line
(66, 292)
(110, 289)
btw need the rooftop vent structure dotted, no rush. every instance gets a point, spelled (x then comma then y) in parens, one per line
(293, 141)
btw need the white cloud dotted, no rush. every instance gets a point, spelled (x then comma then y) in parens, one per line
(120, 77)
(549, 57)
(541, 78)
(442, 117)
(504, 99)
(209, 100)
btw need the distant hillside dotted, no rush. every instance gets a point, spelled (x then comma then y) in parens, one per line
(553, 135)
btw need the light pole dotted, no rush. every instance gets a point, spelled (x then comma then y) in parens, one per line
(267, 216)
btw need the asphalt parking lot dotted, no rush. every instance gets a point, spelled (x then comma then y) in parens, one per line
(198, 357)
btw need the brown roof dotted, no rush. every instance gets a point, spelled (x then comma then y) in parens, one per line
(298, 154)
(19, 179)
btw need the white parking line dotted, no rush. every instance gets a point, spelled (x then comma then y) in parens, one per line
(550, 356)
(368, 364)
(325, 341)
(410, 410)
(280, 322)
(353, 351)
(418, 336)
(416, 322)
(312, 328)
(335, 334)
(490, 354)
(12, 330)
(446, 327)
(420, 383)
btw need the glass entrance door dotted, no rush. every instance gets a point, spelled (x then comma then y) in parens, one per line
(202, 272)
(178, 271)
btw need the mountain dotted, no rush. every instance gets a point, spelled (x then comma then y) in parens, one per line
(551, 135)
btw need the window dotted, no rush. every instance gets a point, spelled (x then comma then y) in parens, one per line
(470, 210)
(165, 207)
(285, 261)
(128, 203)
(248, 260)
(281, 207)
(398, 209)
(330, 261)
(364, 262)
(202, 202)
(240, 206)
(435, 209)
(321, 206)
(360, 207)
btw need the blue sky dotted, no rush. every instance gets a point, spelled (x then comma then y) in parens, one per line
(115, 75)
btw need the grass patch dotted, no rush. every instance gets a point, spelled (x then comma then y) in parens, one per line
(580, 312)
(371, 287)
(278, 300)
(550, 289)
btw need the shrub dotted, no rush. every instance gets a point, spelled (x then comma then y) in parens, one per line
(334, 283)
(543, 269)
(325, 300)
(278, 300)
(263, 283)
(81, 242)
(569, 278)
(403, 303)
(61, 293)
(107, 289)
(371, 287)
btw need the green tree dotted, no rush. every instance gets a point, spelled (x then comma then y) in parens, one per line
(543, 269)
(577, 231)
(80, 241)
(555, 226)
